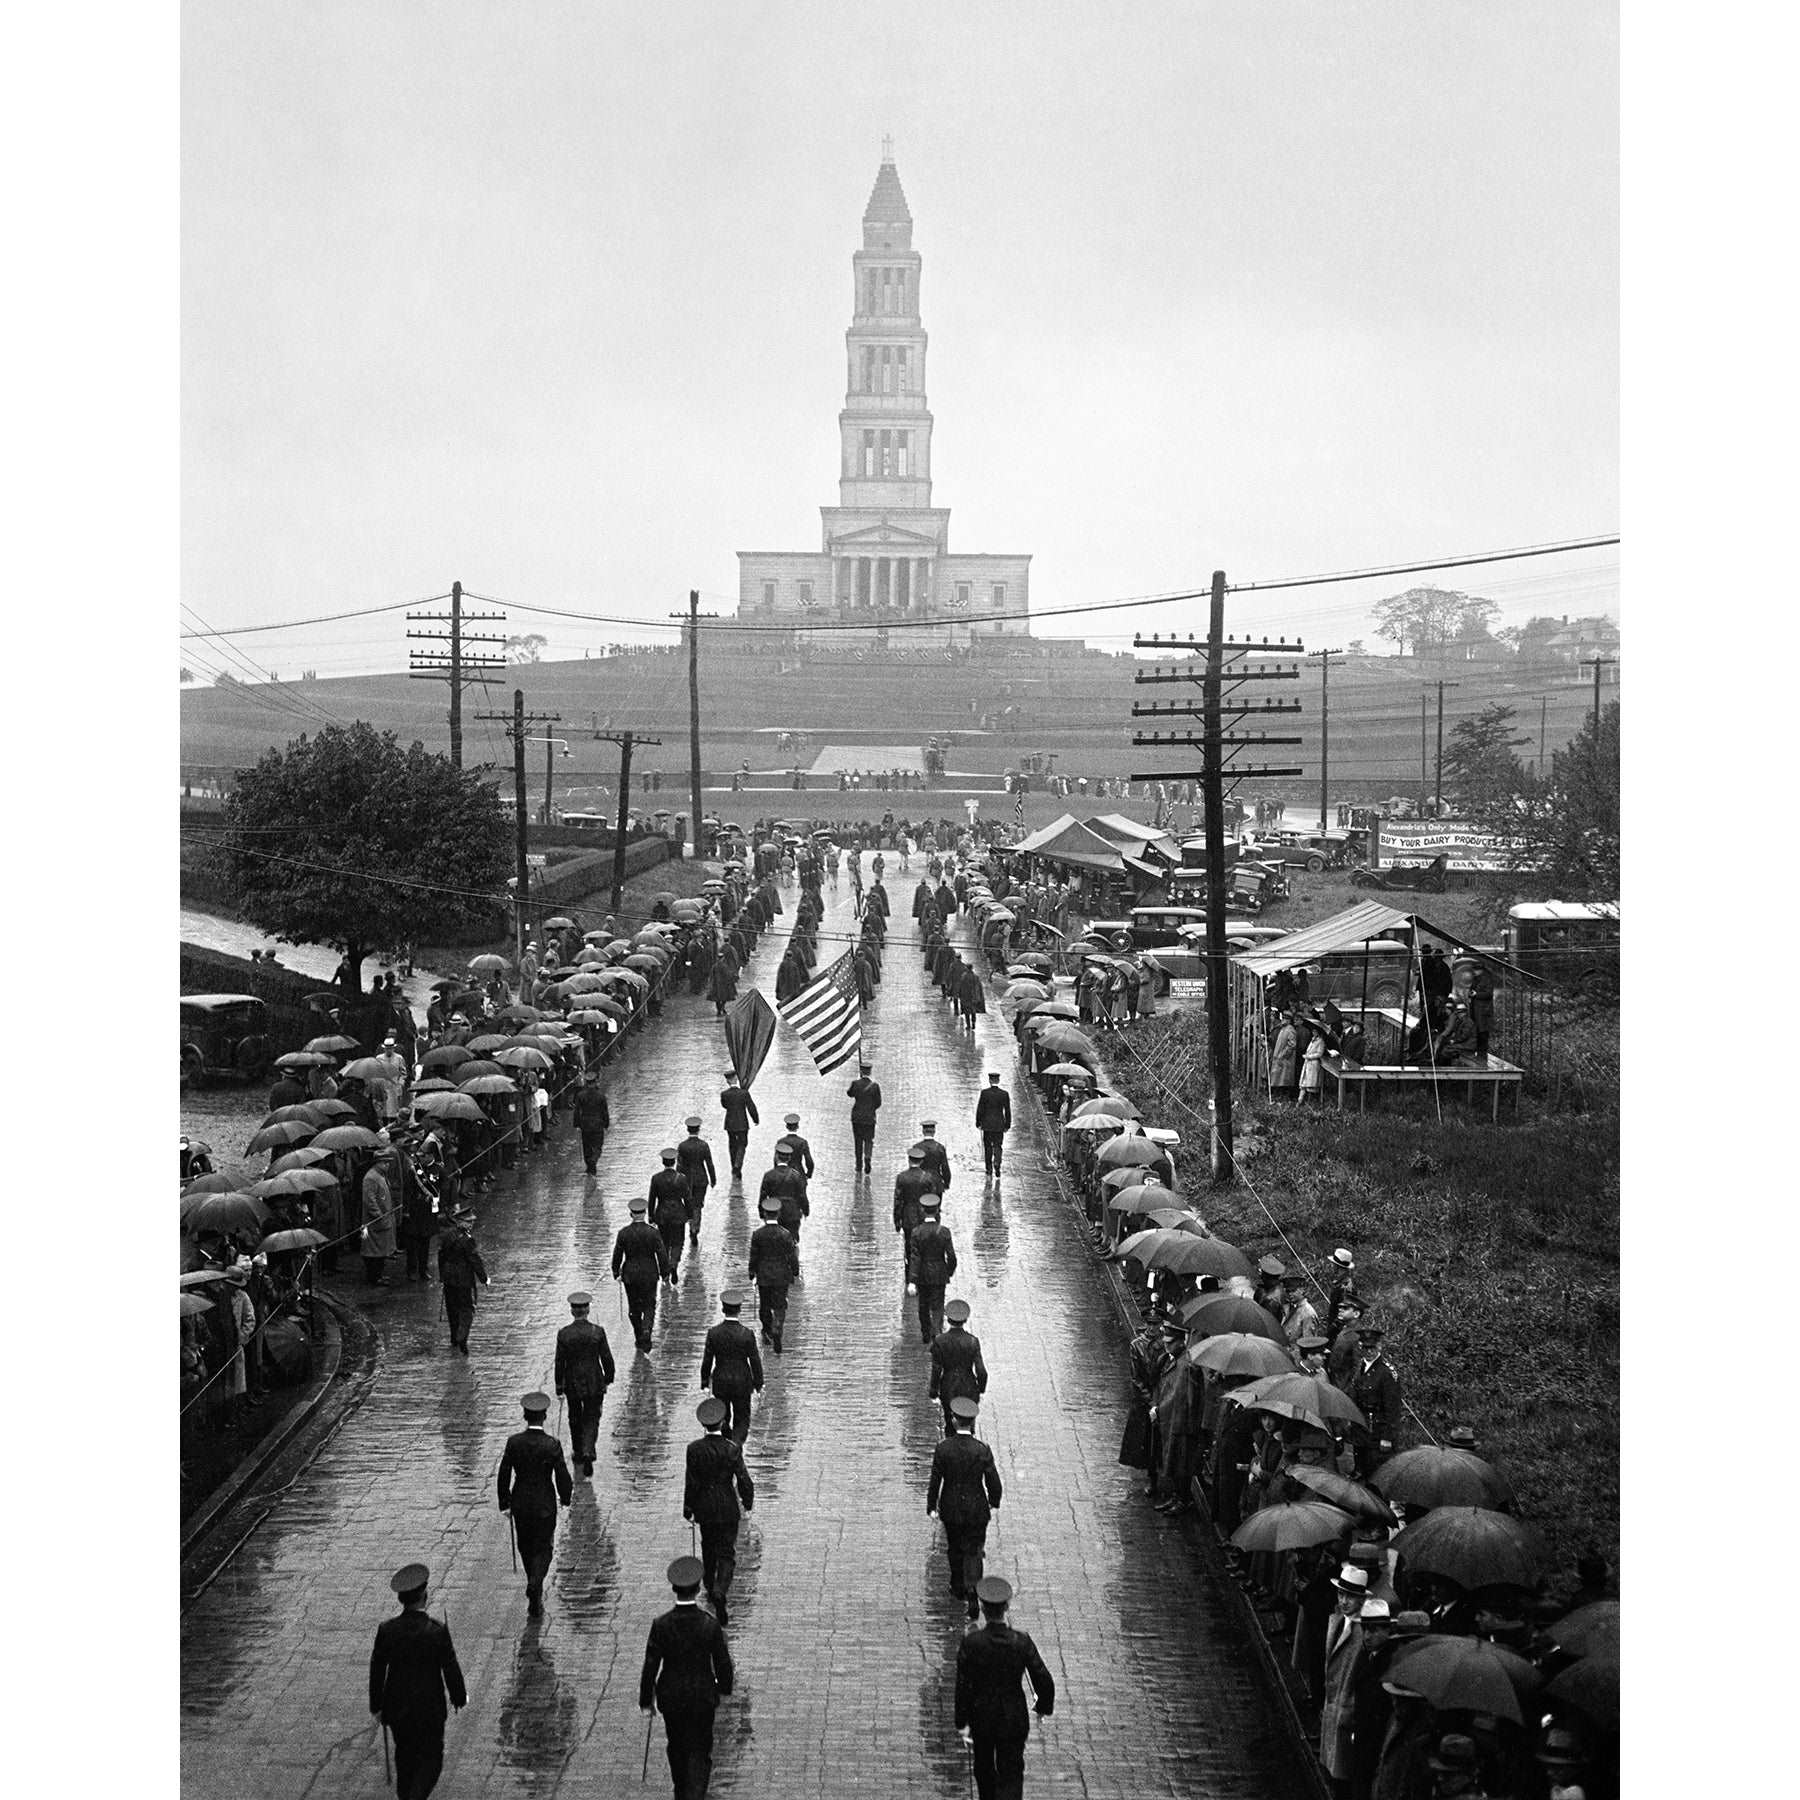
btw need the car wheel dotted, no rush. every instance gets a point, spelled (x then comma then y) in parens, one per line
(1385, 994)
(1315, 865)
(252, 1058)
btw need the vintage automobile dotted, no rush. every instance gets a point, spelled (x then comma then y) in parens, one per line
(1313, 851)
(1400, 877)
(223, 1035)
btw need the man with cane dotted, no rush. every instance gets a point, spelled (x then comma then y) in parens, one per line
(534, 1476)
(990, 1705)
(717, 1482)
(686, 1668)
(413, 1664)
(584, 1371)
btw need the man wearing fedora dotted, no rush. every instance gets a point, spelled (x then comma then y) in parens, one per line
(411, 1669)
(1455, 1769)
(1343, 1653)
(584, 1371)
(717, 1485)
(687, 1668)
(534, 1477)
(991, 1662)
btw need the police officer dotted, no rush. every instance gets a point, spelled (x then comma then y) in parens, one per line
(774, 1266)
(989, 1703)
(785, 1183)
(957, 1371)
(740, 1115)
(411, 1668)
(669, 1206)
(799, 1150)
(964, 1491)
(459, 1268)
(937, 1158)
(933, 1263)
(717, 1482)
(686, 1668)
(534, 1476)
(584, 1371)
(731, 1364)
(1375, 1388)
(639, 1260)
(693, 1157)
(993, 1119)
(911, 1186)
(593, 1119)
(865, 1103)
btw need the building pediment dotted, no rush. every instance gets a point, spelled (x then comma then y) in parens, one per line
(888, 536)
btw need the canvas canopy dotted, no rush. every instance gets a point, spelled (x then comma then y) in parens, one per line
(1135, 838)
(1068, 840)
(1345, 931)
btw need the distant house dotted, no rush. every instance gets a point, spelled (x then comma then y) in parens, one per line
(1582, 640)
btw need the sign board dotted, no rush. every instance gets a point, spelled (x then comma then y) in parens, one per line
(535, 859)
(1187, 987)
(1422, 841)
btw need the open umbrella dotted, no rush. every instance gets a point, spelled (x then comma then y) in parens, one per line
(472, 1071)
(559, 923)
(228, 1213)
(1062, 1039)
(1591, 1685)
(194, 1303)
(1135, 1196)
(1131, 1152)
(1474, 1547)
(490, 1084)
(1340, 1490)
(488, 1042)
(308, 1156)
(433, 1084)
(1293, 1525)
(686, 911)
(216, 1183)
(1207, 1315)
(1025, 989)
(1172, 1218)
(1097, 1123)
(644, 962)
(298, 1237)
(446, 1056)
(309, 1112)
(193, 1278)
(330, 1046)
(1240, 1353)
(347, 1137)
(1588, 1629)
(1465, 1674)
(447, 1106)
(1315, 1395)
(1191, 1254)
(292, 1181)
(488, 964)
(332, 1108)
(281, 1137)
(302, 1059)
(1054, 1009)
(522, 1058)
(365, 1068)
(633, 979)
(1430, 1475)
(1115, 1104)
(521, 1015)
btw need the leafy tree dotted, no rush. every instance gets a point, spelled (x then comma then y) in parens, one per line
(1566, 830)
(1357, 648)
(349, 840)
(526, 649)
(187, 675)
(1425, 618)
(1480, 766)
(1475, 618)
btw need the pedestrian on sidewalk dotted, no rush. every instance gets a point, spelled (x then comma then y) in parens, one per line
(639, 1260)
(933, 1263)
(669, 1206)
(865, 1103)
(990, 1705)
(964, 1491)
(534, 1477)
(584, 1371)
(957, 1371)
(717, 1482)
(731, 1364)
(687, 1667)
(459, 1268)
(593, 1119)
(693, 1157)
(774, 1267)
(411, 1670)
(993, 1119)
(740, 1115)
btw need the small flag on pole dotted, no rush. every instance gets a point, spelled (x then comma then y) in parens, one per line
(828, 1015)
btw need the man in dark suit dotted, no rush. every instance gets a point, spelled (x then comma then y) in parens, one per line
(693, 1157)
(533, 1477)
(957, 1371)
(639, 1260)
(774, 1265)
(686, 1668)
(799, 1150)
(990, 1705)
(459, 1268)
(785, 1183)
(717, 1482)
(740, 1115)
(933, 1263)
(412, 1666)
(593, 1119)
(993, 1119)
(669, 1206)
(964, 1491)
(584, 1371)
(731, 1364)
(911, 1186)
(865, 1103)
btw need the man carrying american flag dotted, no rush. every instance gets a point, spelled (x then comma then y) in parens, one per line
(828, 1015)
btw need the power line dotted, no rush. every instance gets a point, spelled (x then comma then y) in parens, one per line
(365, 612)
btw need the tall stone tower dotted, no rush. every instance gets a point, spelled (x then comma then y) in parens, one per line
(886, 549)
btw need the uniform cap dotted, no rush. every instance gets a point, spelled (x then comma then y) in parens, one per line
(731, 1075)
(1462, 1437)
(581, 1302)
(1273, 1267)
(993, 1590)
(667, 1153)
(865, 1068)
(769, 1205)
(1561, 1748)
(962, 1407)
(957, 1312)
(639, 1207)
(994, 1075)
(732, 1299)
(928, 1124)
(686, 1574)
(915, 1154)
(536, 1403)
(693, 1121)
(929, 1202)
(711, 1411)
(1313, 1344)
(781, 1153)
(791, 1120)
(409, 1580)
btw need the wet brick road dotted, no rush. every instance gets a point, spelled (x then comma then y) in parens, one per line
(842, 1629)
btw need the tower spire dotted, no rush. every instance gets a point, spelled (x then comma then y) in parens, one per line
(887, 147)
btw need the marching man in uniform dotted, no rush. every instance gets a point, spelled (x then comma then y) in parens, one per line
(740, 1115)
(993, 1119)
(965, 1492)
(731, 1364)
(584, 1371)
(639, 1260)
(686, 1668)
(957, 1371)
(990, 1705)
(774, 1267)
(534, 1476)
(717, 1482)
(413, 1666)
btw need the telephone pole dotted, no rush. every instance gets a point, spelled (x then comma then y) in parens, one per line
(1597, 663)
(694, 616)
(1437, 804)
(459, 667)
(1217, 751)
(1423, 781)
(1543, 730)
(1325, 657)
(625, 740)
(515, 724)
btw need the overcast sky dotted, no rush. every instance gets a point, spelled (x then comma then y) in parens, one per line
(551, 299)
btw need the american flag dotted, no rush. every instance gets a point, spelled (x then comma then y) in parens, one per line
(828, 1015)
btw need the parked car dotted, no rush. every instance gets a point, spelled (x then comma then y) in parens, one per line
(223, 1035)
(1315, 851)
